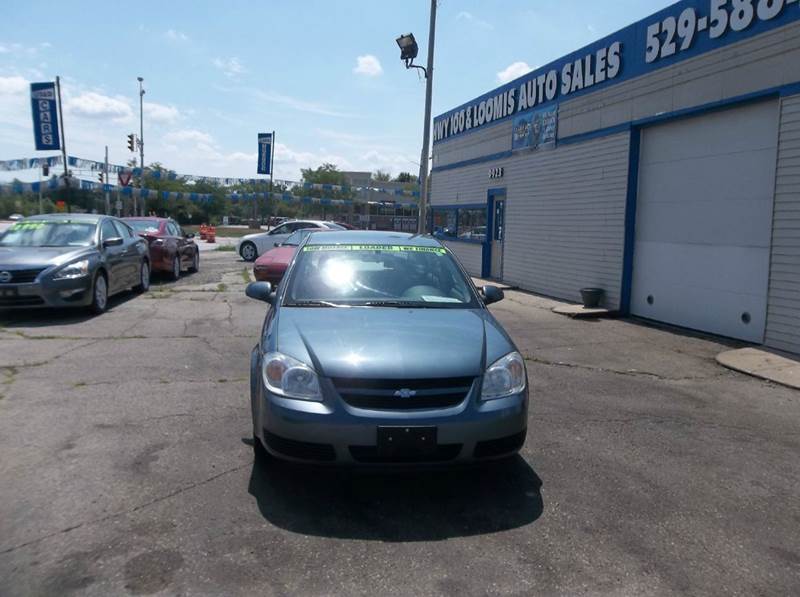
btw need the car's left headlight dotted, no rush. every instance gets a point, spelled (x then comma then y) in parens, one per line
(504, 377)
(286, 376)
(73, 270)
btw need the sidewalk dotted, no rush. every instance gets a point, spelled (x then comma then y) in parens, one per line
(764, 364)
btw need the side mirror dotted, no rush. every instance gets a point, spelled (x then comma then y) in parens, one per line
(261, 291)
(276, 244)
(113, 242)
(492, 294)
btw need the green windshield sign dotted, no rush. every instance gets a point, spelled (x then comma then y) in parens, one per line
(383, 248)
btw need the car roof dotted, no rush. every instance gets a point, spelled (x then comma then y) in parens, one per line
(372, 237)
(94, 218)
(147, 218)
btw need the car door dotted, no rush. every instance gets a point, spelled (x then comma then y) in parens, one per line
(185, 245)
(131, 254)
(113, 256)
(176, 242)
(275, 236)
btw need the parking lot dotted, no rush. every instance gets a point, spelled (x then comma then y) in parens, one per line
(126, 467)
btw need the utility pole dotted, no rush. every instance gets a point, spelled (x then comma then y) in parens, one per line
(40, 189)
(105, 185)
(63, 135)
(423, 170)
(141, 137)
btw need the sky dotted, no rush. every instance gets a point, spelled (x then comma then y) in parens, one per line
(324, 74)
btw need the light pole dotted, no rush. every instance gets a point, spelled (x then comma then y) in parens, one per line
(408, 51)
(141, 137)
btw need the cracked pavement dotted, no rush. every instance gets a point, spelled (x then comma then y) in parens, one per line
(125, 469)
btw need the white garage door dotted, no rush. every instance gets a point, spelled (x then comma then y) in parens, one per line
(704, 220)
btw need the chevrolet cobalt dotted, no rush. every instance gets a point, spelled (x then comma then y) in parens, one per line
(377, 349)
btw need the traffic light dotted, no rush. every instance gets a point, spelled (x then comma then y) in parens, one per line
(131, 142)
(45, 170)
(100, 177)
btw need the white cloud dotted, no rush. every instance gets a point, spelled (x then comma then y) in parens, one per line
(95, 105)
(175, 35)
(468, 17)
(512, 71)
(188, 135)
(160, 113)
(368, 65)
(15, 48)
(13, 85)
(230, 66)
(300, 105)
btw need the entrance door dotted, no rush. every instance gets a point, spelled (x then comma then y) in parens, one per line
(498, 235)
(704, 219)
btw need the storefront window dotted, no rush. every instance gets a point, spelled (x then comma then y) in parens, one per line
(472, 224)
(444, 222)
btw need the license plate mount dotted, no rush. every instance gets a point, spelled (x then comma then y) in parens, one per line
(406, 441)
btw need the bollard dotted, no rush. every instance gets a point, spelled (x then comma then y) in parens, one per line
(211, 234)
(203, 231)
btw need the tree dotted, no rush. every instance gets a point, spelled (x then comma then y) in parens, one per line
(405, 177)
(382, 176)
(325, 174)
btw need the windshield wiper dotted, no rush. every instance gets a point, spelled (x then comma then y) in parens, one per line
(313, 304)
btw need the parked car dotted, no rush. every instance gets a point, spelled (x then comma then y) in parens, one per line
(70, 260)
(171, 250)
(271, 266)
(15, 217)
(347, 226)
(377, 349)
(253, 245)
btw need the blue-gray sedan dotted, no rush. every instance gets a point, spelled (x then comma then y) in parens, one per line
(70, 260)
(378, 349)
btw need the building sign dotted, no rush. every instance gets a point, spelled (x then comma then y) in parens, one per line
(535, 130)
(45, 116)
(264, 153)
(683, 30)
(495, 173)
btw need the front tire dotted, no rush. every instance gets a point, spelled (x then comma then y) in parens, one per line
(99, 294)
(144, 277)
(195, 267)
(248, 251)
(176, 268)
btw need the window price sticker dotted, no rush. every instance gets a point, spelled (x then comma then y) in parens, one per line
(677, 34)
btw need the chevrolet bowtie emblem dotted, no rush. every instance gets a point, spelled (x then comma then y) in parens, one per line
(405, 393)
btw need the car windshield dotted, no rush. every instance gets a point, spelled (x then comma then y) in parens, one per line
(378, 275)
(333, 226)
(143, 225)
(49, 233)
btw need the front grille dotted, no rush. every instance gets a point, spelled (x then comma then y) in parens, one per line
(21, 301)
(370, 454)
(498, 447)
(301, 450)
(23, 276)
(403, 394)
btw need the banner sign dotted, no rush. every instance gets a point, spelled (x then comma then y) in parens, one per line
(45, 116)
(29, 163)
(264, 153)
(681, 31)
(535, 130)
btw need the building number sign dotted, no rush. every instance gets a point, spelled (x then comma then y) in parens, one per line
(496, 173)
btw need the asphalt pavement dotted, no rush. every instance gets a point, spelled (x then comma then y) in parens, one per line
(126, 467)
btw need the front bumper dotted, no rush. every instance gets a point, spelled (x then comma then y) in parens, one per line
(75, 292)
(334, 432)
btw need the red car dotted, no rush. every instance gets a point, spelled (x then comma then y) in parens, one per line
(271, 266)
(171, 250)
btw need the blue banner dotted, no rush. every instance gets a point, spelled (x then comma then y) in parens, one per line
(45, 116)
(265, 153)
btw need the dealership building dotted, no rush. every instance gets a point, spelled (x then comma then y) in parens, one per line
(660, 164)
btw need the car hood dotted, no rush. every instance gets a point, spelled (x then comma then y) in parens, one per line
(278, 255)
(387, 343)
(31, 257)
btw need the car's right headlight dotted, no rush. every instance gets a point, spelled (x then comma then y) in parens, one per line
(286, 376)
(504, 377)
(73, 270)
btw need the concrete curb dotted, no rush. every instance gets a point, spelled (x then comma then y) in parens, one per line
(581, 312)
(763, 364)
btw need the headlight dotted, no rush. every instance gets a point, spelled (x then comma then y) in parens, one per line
(288, 377)
(505, 377)
(73, 270)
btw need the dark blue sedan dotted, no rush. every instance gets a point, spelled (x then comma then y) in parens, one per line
(378, 349)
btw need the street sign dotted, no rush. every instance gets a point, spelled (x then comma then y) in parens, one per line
(45, 116)
(125, 177)
(264, 153)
